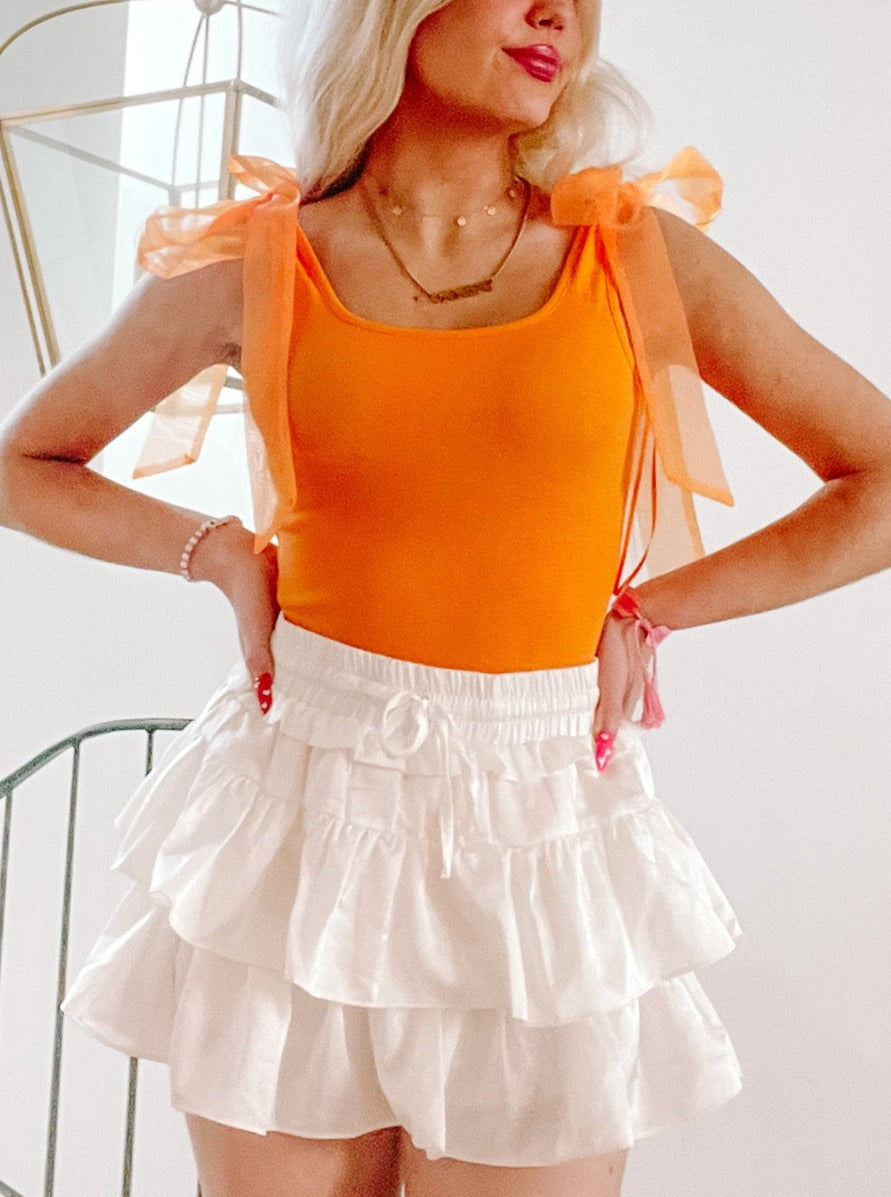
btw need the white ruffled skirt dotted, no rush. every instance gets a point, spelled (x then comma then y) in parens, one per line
(406, 896)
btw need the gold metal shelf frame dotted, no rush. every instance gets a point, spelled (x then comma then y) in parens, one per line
(44, 134)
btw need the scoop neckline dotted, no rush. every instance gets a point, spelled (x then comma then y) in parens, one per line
(339, 308)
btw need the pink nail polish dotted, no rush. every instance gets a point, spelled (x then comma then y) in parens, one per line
(604, 746)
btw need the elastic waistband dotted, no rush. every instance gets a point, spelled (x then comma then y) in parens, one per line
(474, 694)
(410, 703)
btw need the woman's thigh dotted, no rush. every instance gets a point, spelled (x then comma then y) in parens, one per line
(597, 1176)
(239, 1163)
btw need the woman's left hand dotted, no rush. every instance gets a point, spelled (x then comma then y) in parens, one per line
(620, 681)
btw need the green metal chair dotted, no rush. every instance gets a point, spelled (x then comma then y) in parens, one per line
(8, 787)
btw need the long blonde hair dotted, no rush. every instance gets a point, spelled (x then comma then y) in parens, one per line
(342, 67)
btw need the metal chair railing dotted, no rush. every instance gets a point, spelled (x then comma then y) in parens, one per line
(8, 787)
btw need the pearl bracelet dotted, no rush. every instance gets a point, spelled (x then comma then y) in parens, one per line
(199, 535)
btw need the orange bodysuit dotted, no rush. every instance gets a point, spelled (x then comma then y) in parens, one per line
(462, 498)
(460, 493)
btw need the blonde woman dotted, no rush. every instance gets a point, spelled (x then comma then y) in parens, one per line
(404, 906)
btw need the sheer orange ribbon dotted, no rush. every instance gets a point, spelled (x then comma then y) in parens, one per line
(673, 453)
(262, 231)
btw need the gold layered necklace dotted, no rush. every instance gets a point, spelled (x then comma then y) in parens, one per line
(399, 208)
(468, 290)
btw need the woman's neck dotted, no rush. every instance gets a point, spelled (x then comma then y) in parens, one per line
(432, 169)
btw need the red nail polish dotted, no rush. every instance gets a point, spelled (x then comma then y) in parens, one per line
(604, 746)
(264, 692)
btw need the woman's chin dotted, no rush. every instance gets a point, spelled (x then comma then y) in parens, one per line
(526, 118)
(517, 121)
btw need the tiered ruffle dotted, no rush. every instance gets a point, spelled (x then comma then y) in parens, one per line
(289, 947)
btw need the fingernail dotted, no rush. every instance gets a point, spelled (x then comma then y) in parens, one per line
(264, 692)
(604, 746)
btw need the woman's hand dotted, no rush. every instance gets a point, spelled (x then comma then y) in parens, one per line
(252, 593)
(249, 581)
(620, 680)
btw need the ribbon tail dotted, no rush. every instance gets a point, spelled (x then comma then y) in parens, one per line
(476, 795)
(260, 230)
(672, 452)
(676, 427)
(179, 424)
(448, 830)
(471, 777)
(653, 714)
(270, 267)
(447, 814)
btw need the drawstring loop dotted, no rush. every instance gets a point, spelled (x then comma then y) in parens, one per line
(428, 717)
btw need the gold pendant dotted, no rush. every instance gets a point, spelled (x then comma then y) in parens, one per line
(466, 292)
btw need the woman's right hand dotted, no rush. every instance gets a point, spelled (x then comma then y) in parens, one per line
(249, 581)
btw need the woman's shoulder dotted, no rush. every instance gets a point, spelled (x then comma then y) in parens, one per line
(337, 231)
(330, 221)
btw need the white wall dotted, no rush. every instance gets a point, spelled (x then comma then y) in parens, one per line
(776, 753)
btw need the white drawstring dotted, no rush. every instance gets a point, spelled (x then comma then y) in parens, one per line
(430, 715)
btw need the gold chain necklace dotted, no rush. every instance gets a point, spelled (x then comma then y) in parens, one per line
(469, 289)
(399, 208)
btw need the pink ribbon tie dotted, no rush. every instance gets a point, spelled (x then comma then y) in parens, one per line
(626, 606)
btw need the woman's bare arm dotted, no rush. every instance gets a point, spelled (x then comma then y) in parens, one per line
(750, 350)
(160, 337)
(163, 334)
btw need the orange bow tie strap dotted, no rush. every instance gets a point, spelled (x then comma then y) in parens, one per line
(263, 231)
(673, 454)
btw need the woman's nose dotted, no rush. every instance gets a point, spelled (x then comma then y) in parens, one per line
(548, 16)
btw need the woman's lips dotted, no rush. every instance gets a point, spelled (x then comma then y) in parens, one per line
(541, 62)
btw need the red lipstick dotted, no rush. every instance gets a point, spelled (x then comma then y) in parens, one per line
(541, 62)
